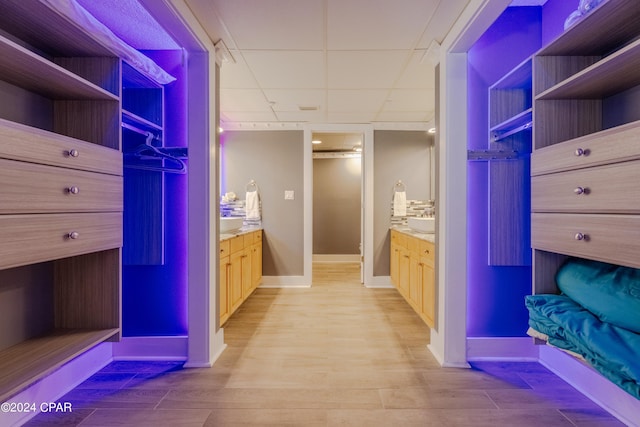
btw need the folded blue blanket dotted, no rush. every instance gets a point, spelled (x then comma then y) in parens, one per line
(613, 351)
(611, 292)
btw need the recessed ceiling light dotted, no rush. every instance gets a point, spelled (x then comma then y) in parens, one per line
(316, 141)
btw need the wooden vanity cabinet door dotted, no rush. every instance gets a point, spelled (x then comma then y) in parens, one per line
(225, 266)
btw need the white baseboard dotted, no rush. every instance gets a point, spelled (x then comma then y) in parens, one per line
(501, 348)
(151, 348)
(218, 344)
(345, 258)
(52, 387)
(379, 282)
(284, 282)
(589, 382)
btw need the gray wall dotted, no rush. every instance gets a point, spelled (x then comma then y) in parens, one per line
(336, 205)
(274, 159)
(403, 155)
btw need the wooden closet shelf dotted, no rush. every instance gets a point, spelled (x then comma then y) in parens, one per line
(29, 361)
(612, 24)
(23, 68)
(609, 76)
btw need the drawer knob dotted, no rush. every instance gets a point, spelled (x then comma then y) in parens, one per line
(73, 235)
(73, 190)
(579, 152)
(579, 190)
(579, 236)
(426, 251)
(74, 153)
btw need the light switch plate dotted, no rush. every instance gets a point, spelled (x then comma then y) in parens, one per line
(288, 195)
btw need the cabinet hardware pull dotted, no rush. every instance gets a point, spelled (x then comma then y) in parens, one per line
(73, 235)
(579, 190)
(426, 251)
(73, 153)
(579, 152)
(73, 190)
(579, 236)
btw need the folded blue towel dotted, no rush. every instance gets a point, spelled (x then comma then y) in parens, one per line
(613, 351)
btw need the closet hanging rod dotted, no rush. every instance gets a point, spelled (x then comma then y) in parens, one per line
(138, 130)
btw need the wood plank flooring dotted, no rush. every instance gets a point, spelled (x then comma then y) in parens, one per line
(337, 354)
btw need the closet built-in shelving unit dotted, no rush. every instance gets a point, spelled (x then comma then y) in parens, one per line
(143, 123)
(61, 195)
(585, 200)
(510, 116)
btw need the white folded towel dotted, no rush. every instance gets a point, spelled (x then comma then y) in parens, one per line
(399, 203)
(252, 205)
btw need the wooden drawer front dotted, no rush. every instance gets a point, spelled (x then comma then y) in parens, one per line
(28, 239)
(248, 239)
(607, 189)
(399, 238)
(257, 236)
(32, 188)
(19, 142)
(608, 238)
(236, 244)
(427, 251)
(413, 244)
(609, 146)
(224, 248)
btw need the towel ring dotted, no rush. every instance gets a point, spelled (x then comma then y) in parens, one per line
(399, 186)
(251, 186)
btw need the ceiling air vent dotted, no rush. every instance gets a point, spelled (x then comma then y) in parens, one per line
(308, 107)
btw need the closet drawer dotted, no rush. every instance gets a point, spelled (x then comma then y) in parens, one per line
(604, 189)
(33, 188)
(609, 146)
(20, 142)
(28, 239)
(608, 238)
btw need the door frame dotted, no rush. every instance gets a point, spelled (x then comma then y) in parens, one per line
(366, 234)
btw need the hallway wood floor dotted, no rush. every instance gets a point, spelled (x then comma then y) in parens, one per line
(337, 354)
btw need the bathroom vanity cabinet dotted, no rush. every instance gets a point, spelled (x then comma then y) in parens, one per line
(240, 270)
(412, 266)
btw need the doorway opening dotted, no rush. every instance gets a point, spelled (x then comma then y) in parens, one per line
(338, 198)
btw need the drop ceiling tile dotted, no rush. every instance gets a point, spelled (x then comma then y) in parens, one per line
(287, 69)
(292, 99)
(243, 100)
(445, 16)
(365, 69)
(237, 75)
(302, 116)
(419, 73)
(350, 117)
(274, 24)
(402, 116)
(356, 100)
(410, 100)
(248, 116)
(376, 24)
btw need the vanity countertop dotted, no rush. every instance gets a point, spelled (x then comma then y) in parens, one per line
(240, 232)
(429, 237)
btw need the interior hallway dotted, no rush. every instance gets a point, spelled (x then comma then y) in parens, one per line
(335, 354)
